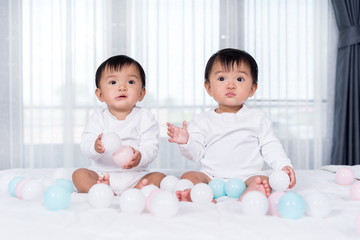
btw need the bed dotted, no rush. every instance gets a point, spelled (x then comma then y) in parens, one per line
(20, 219)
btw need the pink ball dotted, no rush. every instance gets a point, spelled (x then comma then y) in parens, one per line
(19, 187)
(273, 202)
(357, 223)
(355, 191)
(123, 155)
(344, 176)
(149, 199)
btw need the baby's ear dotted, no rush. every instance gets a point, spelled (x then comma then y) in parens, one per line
(99, 95)
(142, 94)
(208, 88)
(253, 89)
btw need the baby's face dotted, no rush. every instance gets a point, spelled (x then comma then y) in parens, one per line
(121, 90)
(231, 87)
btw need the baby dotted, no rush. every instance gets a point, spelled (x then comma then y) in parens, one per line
(231, 140)
(120, 82)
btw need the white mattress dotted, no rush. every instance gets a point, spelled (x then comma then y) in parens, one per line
(20, 219)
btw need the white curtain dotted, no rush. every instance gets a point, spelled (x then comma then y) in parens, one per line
(54, 48)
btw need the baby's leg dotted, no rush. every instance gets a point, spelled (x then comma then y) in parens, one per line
(84, 179)
(257, 183)
(195, 178)
(150, 178)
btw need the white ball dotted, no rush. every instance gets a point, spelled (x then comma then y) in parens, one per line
(111, 141)
(279, 181)
(255, 203)
(168, 183)
(146, 190)
(164, 204)
(4, 183)
(100, 195)
(32, 190)
(183, 184)
(132, 201)
(317, 205)
(201, 193)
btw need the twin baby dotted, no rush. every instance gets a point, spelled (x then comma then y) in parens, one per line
(231, 140)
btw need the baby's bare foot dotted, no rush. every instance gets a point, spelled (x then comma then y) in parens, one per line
(261, 185)
(184, 195)
(144, 183)
(105, 179)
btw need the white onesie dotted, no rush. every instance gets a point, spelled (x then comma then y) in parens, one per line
(232, 145)
(139, 130)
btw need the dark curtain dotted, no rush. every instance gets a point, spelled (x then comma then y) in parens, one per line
(346, 135)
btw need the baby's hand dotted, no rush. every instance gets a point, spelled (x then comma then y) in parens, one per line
(177, 134)
(289, 171)
(99, 146)
(135, 160)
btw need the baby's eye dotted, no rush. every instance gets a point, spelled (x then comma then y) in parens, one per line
(112, 82)
(131, 82)
(221, 79)
(240, 79)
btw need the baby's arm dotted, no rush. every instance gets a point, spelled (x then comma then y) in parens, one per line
(178, 135)
(289, 171)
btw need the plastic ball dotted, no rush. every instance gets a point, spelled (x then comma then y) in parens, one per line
(254, 203)
(66, 183)
(201, 193)
(132, 201)
(274, 201)
(291, 205)
(12, 185)
(19, 187)
(146, 190)
(32, 190)
(4, 183)
(317, 205)
(357, 223)
(355, 191)
(56, 197)
(234, 187)
(183, 184)
(111, 141)
(123, 155)
(168, 183)
(344, 176)
(149, 199)
(279, 181)
(164, 204)
(100, 196)
(218, 187)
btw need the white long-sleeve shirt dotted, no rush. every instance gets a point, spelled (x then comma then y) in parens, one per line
(232, 145)
(139, 130)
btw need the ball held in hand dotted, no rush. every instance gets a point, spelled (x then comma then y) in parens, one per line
(123, 155)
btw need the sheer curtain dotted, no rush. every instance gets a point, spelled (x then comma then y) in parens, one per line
(55, 47)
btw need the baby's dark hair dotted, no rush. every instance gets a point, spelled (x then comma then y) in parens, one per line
(230, 56)
(116, 63)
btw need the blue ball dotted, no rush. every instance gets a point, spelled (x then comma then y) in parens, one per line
(291, 205)
(66, 183)
(234, 187)
(218, 187)
(56, 197)
(12, 185)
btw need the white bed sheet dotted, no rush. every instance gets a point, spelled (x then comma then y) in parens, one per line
(21, 219)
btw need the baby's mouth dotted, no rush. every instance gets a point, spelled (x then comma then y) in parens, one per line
(121, 97)
(230, 94)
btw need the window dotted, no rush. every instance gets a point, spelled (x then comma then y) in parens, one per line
(63, 42)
